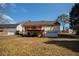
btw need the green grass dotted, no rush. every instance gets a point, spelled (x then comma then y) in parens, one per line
(24, 46)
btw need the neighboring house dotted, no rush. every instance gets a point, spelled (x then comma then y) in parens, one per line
(39, 28)
(8, 29)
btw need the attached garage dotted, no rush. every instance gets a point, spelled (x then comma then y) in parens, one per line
(51, 34)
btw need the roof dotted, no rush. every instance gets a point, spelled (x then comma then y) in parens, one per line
(41, 23)
(8, 25)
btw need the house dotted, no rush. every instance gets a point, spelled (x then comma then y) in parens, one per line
(8, 29)
(39, 28)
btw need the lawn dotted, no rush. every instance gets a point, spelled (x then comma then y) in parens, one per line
(33, 46)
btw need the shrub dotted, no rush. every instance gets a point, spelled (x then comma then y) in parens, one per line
(17, 32)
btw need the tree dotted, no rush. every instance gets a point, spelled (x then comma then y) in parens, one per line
(63, 20)
(74, 18)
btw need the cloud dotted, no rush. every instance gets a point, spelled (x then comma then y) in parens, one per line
(3, 5)
(5, 19)
(24, 10)
(13, 4)
(13, 7)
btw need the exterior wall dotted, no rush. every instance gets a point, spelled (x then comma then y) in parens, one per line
(51, 31)
(8, 31)
(51, 28)
(20, 28)
(51, 34)
(11, 33)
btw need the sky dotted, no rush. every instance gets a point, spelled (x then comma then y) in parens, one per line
(35, 11)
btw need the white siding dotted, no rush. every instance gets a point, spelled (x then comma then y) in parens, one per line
(19, 28)
(46, 28)
(51, 28)
(51, 31)
(8, 31)
(11, 33)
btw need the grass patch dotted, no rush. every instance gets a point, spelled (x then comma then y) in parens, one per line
(32, 46)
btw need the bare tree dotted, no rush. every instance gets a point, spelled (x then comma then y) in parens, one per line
(63, 20)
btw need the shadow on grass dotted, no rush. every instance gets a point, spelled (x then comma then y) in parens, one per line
(68, 36)
(72, 45)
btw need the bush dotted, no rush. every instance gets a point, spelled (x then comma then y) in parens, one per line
(17, 32)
